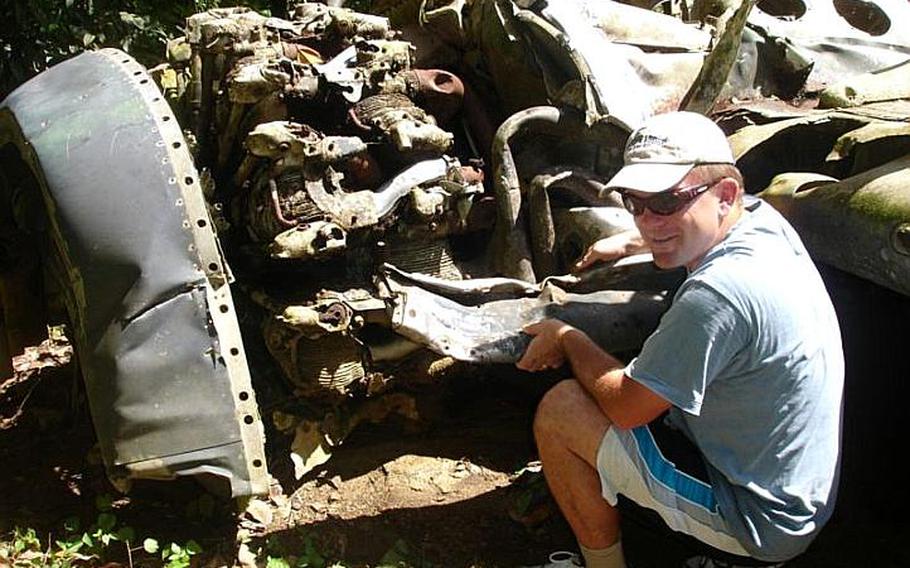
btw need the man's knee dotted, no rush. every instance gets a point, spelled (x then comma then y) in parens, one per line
(567, 412)
(556, 405)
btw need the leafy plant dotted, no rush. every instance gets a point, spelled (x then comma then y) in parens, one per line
(22, 549)
(307, 556)
(177, 556)
(40, 33)
(104, 540)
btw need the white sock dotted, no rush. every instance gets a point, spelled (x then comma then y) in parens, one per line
(610, 557)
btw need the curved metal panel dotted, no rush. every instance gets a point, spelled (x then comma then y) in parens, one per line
(146, 286)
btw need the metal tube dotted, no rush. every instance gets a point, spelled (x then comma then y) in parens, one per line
(511, 252)
(581, 183)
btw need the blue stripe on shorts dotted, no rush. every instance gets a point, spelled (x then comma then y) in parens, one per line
(664, 471)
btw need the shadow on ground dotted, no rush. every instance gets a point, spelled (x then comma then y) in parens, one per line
(353, 510)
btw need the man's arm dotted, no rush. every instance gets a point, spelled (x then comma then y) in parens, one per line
(624, 401)
(612, 248)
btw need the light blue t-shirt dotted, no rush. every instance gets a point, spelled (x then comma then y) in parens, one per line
(750, 356)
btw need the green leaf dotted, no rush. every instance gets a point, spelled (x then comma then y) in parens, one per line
(137, 22)
(71, 524)
(272, 562)
(87, 39)
(126, 534)
(193, 547)
(67, 547)
(106, 521)
(150, 545)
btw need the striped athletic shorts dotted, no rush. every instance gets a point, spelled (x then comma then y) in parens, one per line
(660, 469)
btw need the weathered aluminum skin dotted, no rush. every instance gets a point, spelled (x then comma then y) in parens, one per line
(860, 225)
(481, 321)
(844, 189)
(836, 38)
(146, 286)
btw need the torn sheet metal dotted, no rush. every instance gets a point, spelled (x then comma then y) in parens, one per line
(837, 142)
(605, 43)
(490, 332)
(834, 38)
(620, 63)
(876, 86)
(144, 281)
(844, 190)
(713, 76)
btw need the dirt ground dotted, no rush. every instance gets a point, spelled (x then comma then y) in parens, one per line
(456, 492)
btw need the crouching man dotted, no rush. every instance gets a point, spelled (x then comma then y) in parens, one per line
(746, 367)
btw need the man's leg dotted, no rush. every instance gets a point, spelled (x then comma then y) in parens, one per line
(569, 428)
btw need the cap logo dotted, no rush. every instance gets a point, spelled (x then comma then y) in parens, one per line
(664, 149)
(653, 148)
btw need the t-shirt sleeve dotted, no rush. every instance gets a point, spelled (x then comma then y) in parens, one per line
(697, 338)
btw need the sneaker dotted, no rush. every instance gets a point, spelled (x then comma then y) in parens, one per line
(561, 559)
(708, 562)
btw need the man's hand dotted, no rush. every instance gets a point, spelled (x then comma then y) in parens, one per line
(611, 248)
(545, 350)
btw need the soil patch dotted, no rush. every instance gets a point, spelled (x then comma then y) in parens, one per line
(457, 492)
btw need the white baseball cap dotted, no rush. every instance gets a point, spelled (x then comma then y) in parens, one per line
(666, 147)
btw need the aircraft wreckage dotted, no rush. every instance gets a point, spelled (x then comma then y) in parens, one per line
(337, 210)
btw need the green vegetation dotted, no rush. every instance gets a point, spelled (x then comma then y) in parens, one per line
(39, 33)
(105, 540)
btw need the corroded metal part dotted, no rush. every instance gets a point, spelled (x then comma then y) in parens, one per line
(576, 228)
(316, 240)
(712, 78)
(440, 91)
(324, 369)
(298, 197)
(843, 189)
(837, 39)
(839, 143)
(548, 257)
(446, 18)
(251, 81)
(316, 346)
(884, 85)
(221, 28)
(315, 322)
(511, 248)
(576, 52)
(319, 19)
(655, 68)
(146, 286)
(381, 57)
(491, 332)
(432, 256)
(402, 122)
(292, 145)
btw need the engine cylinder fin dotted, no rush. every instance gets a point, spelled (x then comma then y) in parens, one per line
(433, 257)
(329, 364)
(295, 203)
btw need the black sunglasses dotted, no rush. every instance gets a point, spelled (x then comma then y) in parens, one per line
(664, 203)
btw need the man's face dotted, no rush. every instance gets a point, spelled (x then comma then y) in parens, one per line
(684, 237)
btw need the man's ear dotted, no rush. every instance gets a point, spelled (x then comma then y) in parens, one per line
(728, 191)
